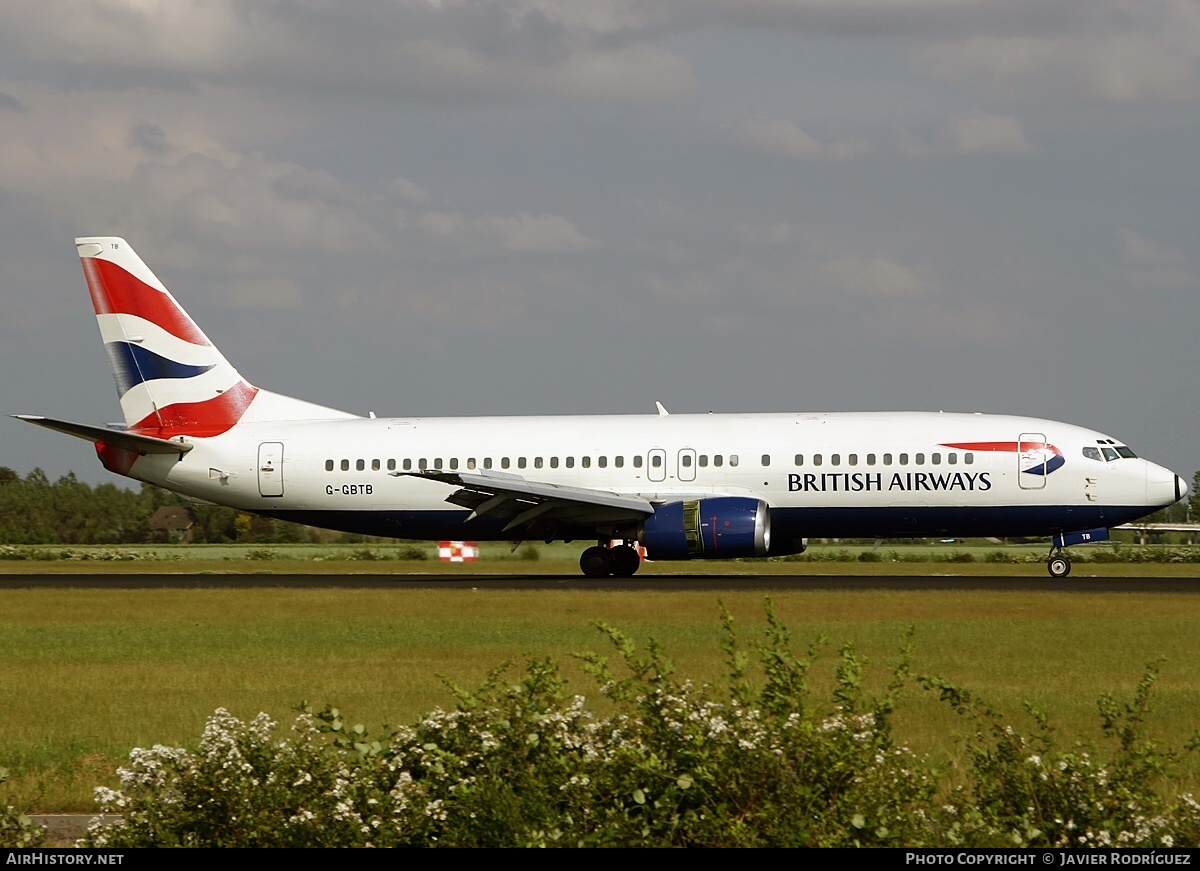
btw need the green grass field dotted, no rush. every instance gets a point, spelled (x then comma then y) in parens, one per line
(962, 558)
(88, 674)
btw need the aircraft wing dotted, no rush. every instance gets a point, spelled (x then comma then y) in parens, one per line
(522, 501)
(143, 444)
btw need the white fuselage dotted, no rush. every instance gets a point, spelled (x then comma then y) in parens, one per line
(829, 475)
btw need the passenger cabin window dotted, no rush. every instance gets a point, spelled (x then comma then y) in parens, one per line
(619, 462)
(904, 459)
(637, 461)
(504, 462)
(570, 462)
(602, 462)
(968, 458)
(718, 459)
(329, 465)
(554, 462)
(537, 462)
(852, 460)
(470, 462)
(835, 459)
(391, 465)
(952, 459)
(520, 462)
(870, 459)
(887, 459)
(454, 464)
(686, 461)
(487, 462)
(733, 459)
(799, 459)
(656, 461)
(766, 459)
(408, 465)
(586, 462)
(936, 459)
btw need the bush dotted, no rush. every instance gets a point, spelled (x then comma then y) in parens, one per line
(1026, 792)
(759, 761)
(16, 828)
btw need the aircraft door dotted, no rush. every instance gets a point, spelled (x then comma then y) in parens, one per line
(656, 465)
(1032, 459)
(687, 465)
(270, 469)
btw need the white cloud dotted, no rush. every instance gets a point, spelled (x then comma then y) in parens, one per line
(1128, 51)
(526, 232)
(877, 276)
(969, 134)
(405, 46)
(787, 139)
(1152, 265)
(521, 231)
(978, 133)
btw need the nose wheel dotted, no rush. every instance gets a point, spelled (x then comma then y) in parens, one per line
(1058, 565)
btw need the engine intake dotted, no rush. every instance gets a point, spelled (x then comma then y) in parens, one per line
(722, 528)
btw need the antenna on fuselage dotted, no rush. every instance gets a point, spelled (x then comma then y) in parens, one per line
(662, 412)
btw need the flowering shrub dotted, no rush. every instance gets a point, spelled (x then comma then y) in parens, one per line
(758, 762)
(16, 828)
(1024, 791)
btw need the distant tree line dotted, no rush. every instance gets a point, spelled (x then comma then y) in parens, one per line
(36, 510)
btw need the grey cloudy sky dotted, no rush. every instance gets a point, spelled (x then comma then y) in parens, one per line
(443, 207)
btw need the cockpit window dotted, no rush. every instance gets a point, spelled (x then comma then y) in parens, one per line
(1092, 453)
(1125, 452)
(1109, 454)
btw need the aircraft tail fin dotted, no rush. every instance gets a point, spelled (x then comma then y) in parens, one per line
(171, 379)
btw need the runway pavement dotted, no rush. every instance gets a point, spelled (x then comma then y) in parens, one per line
(577, 582)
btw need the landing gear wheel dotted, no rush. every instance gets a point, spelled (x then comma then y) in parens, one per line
(625, 561)
(1058, 566)
(596, 562)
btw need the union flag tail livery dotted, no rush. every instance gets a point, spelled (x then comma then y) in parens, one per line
(669, 486)
(171, 379)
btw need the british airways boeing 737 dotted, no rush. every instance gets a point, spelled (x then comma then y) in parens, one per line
(684, 486)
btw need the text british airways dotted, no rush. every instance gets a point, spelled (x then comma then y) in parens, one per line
(862, 482)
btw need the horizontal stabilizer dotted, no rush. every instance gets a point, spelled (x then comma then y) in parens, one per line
(143, 444)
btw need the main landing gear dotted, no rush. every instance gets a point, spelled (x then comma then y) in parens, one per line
(621, 561)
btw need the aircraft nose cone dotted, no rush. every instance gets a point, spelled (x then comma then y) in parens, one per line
(1163, 487)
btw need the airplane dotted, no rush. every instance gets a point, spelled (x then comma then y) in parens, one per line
(674, 486)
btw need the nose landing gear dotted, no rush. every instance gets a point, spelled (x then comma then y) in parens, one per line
(1058, 565)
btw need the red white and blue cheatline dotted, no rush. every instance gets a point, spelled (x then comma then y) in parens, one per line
(1034, 457)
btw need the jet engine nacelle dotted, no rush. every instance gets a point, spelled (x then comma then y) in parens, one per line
(722, 528)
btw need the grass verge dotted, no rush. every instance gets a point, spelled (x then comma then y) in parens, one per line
(88, 674)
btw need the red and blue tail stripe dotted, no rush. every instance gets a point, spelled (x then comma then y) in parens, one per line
(171, 379)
